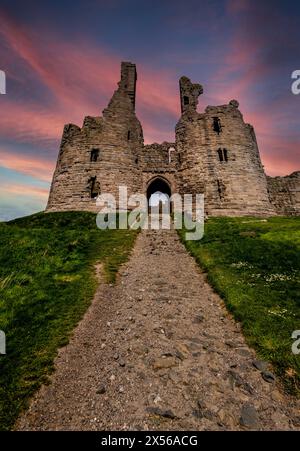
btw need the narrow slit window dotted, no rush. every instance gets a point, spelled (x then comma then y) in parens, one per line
(220, 153)
(225, 153)
(128, 135)
(221, 190)
(94, 187)
(186, 100)
(217, 125)
(94, 154)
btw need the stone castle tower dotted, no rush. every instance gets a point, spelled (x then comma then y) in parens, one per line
(214, 153)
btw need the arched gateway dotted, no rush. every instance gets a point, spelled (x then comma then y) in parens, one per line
(158, 192)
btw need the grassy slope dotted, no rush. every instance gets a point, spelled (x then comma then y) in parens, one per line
(46, 284)
(255, 266)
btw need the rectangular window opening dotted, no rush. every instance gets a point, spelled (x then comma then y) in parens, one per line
(94, 154)
(217, 125)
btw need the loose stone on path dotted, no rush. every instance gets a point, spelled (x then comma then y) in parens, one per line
(159, 351)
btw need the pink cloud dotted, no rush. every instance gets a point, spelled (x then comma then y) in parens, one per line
(281, 155)
(23, 190)
(154, 134)
(243, 70)
(33, 166)
(81, 77)
(158, 91)
(30, 123)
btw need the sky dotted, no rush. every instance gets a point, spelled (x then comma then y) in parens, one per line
(62, 63)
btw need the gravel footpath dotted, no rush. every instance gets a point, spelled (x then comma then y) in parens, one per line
(158, 351)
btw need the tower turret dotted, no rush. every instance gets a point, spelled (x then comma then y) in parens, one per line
(189, 93)
(128, 80)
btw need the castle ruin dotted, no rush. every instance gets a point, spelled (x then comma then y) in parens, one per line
(214, 153)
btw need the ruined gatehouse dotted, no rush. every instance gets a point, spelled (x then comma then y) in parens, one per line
(215, 153)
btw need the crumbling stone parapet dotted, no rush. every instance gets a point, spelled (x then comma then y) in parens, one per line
(189, 93)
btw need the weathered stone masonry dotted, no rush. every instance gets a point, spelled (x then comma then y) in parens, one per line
(214, 153)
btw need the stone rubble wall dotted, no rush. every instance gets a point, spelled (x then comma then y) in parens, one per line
(284, 193)
(159, 157)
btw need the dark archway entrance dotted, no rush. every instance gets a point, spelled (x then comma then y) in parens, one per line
(158, 193)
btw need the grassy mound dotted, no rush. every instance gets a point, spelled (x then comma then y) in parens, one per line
(47, 281)
(254, 265)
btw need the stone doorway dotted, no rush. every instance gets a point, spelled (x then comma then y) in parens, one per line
(158, 195)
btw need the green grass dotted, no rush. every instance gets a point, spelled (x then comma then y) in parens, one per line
(255, 266)
(47, 281)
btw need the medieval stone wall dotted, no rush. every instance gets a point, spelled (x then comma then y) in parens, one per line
(215, 153)
(159, 160)
(220, 158)
(285, 193)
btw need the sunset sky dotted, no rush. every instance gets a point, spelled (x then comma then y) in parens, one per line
(62, 62)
